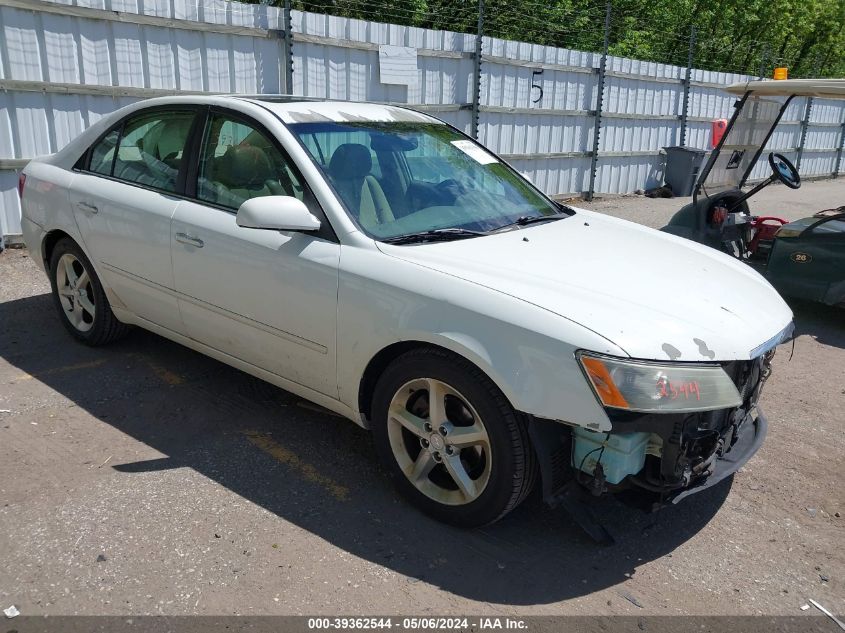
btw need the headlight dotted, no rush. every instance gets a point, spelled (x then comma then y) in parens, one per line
(659, 387)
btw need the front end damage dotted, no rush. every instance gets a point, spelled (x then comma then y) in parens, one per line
(664, 456)
(688, 452)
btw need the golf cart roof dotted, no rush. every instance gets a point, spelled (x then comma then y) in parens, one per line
(823, 88)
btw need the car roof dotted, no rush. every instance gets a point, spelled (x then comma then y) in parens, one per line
(298, 110)
(823, 88)
(295, 109)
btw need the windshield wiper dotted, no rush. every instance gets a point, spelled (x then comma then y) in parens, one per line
(435, 235)
(525, 220)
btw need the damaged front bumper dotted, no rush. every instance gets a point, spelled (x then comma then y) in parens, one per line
(725, 465)
(686, 454)
(669, 455)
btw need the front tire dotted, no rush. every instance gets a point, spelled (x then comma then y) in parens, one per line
(79, 297)
(453, 444)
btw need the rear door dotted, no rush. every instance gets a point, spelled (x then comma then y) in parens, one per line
(262, 296)
(124, 196)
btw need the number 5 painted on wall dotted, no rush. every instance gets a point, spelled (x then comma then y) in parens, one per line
(534, 74)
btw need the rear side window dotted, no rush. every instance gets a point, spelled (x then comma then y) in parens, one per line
(148, 152)
(151, 148)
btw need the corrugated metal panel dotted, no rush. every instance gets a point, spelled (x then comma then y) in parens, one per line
(542, 122)
(619, 174)
(821, 163)
(334, 72)
(48, 47)
(826, 111)
(10, 223)
(553, 124)
(560, 175)
(535, 134)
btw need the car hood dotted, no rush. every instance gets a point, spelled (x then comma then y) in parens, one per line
(654, 295)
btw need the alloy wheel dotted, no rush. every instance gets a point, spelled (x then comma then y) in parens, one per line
(76, 295)
(439, 441)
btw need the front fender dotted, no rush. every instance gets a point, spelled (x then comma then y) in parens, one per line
(528, 352)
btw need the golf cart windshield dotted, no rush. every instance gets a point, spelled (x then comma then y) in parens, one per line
(759, 109)
(732, 161)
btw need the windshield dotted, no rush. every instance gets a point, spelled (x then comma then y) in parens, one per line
(404, 178)
(740, 146)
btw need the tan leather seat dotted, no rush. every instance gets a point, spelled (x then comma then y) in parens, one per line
(349, 169)
(243, 172)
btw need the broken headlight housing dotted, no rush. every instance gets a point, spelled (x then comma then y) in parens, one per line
(651, 387)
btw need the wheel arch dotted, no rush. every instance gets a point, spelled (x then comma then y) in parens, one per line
(48, 243)
(470, 351)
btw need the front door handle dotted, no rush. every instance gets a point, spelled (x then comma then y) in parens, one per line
(87, 207)
(184, 238)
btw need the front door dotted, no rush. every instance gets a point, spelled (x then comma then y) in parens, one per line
(265, 297)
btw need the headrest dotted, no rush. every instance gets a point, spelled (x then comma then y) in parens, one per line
(351, 161)
(244, 166)
(170, 137)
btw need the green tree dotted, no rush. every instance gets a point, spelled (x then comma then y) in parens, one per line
(808, 36)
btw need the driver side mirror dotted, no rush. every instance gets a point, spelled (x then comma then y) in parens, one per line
(278, 213)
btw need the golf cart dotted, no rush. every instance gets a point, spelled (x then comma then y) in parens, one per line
(803, 259)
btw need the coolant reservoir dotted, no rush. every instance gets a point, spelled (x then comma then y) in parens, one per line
(624, 453)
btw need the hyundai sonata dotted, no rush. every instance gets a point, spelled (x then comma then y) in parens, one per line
(382, 264)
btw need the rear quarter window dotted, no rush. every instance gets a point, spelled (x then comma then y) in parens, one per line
(102, 154)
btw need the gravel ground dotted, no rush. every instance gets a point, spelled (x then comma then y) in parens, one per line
(144, 478)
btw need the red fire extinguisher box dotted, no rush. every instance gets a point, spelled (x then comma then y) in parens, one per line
(717, 131)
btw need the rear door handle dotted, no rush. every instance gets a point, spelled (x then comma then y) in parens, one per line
(87, 207)
(184, 238)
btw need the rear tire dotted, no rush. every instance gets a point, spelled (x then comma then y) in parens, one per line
(470, 461)
(79, 297)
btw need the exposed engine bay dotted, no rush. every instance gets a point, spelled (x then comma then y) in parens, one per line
(671, 452)
(666, 456)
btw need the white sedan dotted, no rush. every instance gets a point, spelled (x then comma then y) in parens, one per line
(380, 263)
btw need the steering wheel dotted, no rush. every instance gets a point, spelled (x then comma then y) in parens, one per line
(784, 170)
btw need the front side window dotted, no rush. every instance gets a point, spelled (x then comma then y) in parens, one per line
(402, 178)
(239, 162)
(150, 150)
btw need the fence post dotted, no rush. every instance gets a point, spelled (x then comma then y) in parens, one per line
(476, 72)
(839, 152)
(602, 70)
(687, 78)
(288, 49)
(805, 123)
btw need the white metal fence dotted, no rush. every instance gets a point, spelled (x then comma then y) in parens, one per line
(65, 63)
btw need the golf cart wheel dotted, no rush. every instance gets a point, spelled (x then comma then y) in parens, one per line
(452, 443)
(79, 297)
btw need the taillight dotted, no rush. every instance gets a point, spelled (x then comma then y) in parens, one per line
(21, 183)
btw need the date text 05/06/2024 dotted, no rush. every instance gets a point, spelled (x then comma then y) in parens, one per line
(417, 623)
